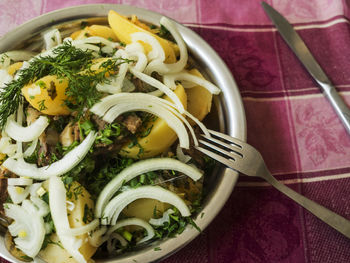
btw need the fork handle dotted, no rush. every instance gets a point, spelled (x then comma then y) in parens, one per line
(336, 221)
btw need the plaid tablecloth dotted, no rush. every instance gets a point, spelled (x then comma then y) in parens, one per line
(289, 121)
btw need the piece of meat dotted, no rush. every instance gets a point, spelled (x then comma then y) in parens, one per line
(67, 137)
(43, 153)
(32, 115)
(101, 124)
(52, 137)
(132, 123)
(76, 132)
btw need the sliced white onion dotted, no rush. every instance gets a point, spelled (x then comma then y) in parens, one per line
(112, 241)
(29, 133)
(6, 145)
(70, 160)
(170, 79)
(118, 203)
(157, 93)
(97, 238)
(138, 168)
(77, 231)
(181, 156)
(141, 60)
(164, 219)
(136, 50)
(28, 226)
(86, 47)
(30, 150)
(116, 82)
(134, 47)
(5, 78)
(170, 107)
(106, 103)
(108, 88)
(58, 208)
(52, 38)
(20, 116)
(157, 84)
(172, 121)
(134, 222)
(41, 205)
(17, 193)
(5, 61)
(16, 55)
(96, 40)
(107, 49)
(70, 205)
(125, 102)
(19, 181)
(159, 65)
(157, 51)
(34, 188)
(128, 86)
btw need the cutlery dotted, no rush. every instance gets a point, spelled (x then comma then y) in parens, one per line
(245, 159)
(299, 48)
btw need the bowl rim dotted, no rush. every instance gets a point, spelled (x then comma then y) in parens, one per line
(233, 111)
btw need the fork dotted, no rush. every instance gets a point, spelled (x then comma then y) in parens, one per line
(245, 159)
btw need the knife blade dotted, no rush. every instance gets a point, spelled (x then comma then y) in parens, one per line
(294, 41)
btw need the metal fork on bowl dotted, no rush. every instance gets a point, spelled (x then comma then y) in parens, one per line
(245, 159)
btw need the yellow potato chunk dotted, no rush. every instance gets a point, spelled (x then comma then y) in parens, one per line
(102, 31)
(12, 69)
(159, 139)
(80, 34)
(144, 208)
(54, 253)
(123, 28)
(47, 95)
(95, 30)
(198, 99)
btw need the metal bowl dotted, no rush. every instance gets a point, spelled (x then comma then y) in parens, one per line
(229, 112)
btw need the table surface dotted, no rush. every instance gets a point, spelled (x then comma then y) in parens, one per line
(288, 121)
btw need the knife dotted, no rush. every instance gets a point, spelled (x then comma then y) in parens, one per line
(306, 58)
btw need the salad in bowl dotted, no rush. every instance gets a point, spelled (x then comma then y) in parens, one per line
(98, 136)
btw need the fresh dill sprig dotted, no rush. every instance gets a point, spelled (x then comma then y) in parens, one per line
(66, 62)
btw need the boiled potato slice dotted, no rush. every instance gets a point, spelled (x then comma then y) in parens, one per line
(80, 34)
(144, 208)
(47, 95)
(102, 31)
(123, 28)
(95, 30)
(54, 253)
(198, 99)
(14, 67)
(159, 139)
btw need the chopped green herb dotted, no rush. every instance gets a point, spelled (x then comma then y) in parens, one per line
(26, 258)
(67, 62)
(41, 84)
(88, 214)
(42, 105)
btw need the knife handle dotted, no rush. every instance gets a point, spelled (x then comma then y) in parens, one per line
(338, 104)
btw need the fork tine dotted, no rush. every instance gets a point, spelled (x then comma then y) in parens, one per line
(233, 147)
(235, 141)
(228, 162)
(231, 154)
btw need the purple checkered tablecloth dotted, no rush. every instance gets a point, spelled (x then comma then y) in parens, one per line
(288, 119)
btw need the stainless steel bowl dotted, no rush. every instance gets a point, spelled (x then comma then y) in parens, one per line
(229, 111)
